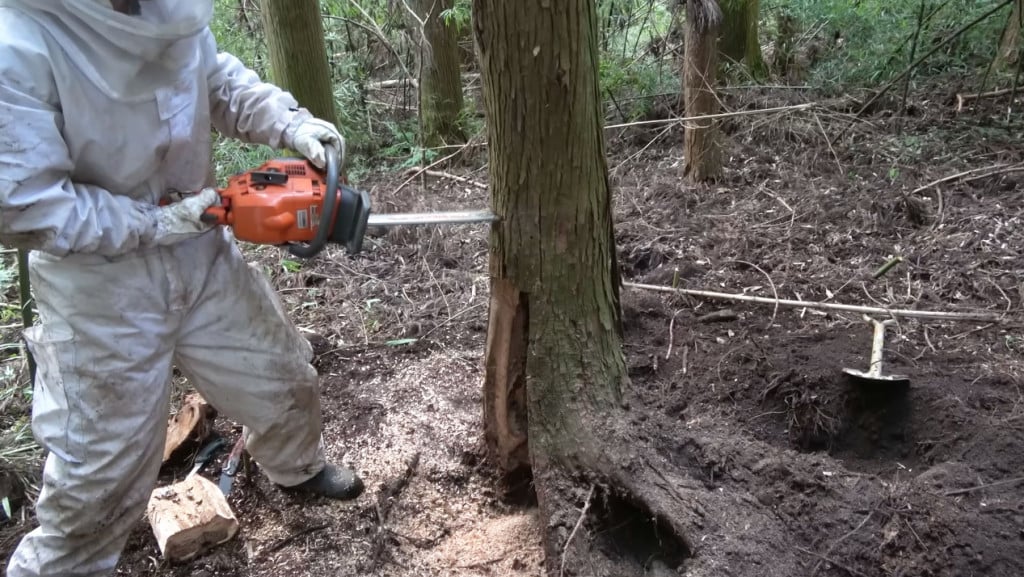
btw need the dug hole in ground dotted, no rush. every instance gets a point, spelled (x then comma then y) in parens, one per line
(749, 401)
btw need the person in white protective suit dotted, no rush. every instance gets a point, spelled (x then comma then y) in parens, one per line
(106, 108)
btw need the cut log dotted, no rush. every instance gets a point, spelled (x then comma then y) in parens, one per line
(189, 518)
(192, 421)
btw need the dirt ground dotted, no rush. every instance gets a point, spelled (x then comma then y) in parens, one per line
(858, 479)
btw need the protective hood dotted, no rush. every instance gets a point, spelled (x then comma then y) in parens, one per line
(127, 57)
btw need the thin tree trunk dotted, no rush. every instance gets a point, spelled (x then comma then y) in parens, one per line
(702, 152)
(739, 34)
(298, 56)
(440, 76)
(1009, 44)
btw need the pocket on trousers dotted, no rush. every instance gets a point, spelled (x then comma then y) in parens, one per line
(56, 396)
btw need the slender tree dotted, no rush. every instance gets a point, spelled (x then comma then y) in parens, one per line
(440, 75)
(298, 54)
(739, 34)
(702, 148)
(1009, 43)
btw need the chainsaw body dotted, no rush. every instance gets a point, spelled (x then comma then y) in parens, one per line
(288, 201)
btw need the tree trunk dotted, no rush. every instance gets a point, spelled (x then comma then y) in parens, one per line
(1009, 43)
(739, 37)
(298, 55)
(554, 303)
(555, 373)
(440, 78)
(702, 152)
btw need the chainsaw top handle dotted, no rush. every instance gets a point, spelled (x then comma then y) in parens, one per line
(323, 231)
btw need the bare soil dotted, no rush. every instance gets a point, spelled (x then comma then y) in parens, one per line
(748, 399)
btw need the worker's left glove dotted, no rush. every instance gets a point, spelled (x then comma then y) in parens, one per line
(183, 220)
(308, 138)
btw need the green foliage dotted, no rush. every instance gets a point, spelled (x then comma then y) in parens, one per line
(868, 42)
(633, 67)
(458, 15)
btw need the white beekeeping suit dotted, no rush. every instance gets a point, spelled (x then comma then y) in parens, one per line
(101, 115)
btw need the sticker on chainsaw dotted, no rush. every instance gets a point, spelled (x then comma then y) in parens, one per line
(302, 218)
(314, 218)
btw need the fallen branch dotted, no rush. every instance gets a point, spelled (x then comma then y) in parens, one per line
(393, 83)
(985, 486)
(961, 99)
(933, 315)
(995, 169)
(713, 116)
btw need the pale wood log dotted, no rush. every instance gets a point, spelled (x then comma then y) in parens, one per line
(189, 518)
(191, 421)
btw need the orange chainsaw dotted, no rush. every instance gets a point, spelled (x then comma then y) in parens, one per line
(289, 202)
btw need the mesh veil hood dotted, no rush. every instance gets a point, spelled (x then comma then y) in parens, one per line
(127, 57)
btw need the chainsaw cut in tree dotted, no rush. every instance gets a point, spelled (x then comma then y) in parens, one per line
(289, 202)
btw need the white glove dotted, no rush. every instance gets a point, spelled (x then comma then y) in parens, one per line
(309, 137)
(181, 220)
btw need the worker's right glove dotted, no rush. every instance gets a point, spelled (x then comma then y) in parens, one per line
(182, 220)
(307, 137)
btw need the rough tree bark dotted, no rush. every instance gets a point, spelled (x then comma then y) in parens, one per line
(739, 37)
(440, 76)
(556, 378)
(702, 152)
(298, 55)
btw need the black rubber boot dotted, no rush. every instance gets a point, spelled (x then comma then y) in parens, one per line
(333, 482)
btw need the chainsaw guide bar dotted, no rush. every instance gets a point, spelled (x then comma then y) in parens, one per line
(423, 218)
(288, 202)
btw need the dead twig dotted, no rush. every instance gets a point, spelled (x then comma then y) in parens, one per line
(671, 335)
(985, 486)
(775, 293)
(288, 541)
(579, 523)
(996, 169)
(439, 174)
(840, 540)
(831, 561)
(386, 499)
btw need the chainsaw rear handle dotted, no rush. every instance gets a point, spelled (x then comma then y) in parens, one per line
(323, 231)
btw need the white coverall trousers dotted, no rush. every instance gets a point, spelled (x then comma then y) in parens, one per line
(105, 375)
(95, 127)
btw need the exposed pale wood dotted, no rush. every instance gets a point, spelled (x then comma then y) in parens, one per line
(192, 421)
(189, 518)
